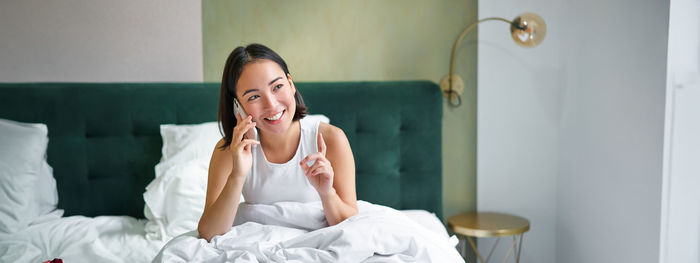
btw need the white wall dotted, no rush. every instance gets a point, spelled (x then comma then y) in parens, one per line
(519, 100)
(680, 216)
(609, 184)
(100, 40)
(570, 133)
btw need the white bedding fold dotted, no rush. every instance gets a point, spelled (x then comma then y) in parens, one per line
(80, 239)
(297, 232)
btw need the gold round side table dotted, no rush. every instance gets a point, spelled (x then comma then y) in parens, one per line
(489, 224)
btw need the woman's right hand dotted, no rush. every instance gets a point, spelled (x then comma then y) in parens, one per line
(241, 147)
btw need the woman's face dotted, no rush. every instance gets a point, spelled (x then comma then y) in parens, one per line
(267, 94)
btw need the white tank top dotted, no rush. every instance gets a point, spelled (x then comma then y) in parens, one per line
(271, 182)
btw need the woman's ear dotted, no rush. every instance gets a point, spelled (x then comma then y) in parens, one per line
(291, 83)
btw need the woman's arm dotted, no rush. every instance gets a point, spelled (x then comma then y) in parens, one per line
(223, 195)
(333, 174)
(228, 169)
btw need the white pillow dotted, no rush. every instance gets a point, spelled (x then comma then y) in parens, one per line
(46, 191)
(22, 151)
(428, 220)
(175, 198)
(182, 143)
(317, 118)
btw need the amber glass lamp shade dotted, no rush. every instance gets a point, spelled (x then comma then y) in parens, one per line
(528, 30)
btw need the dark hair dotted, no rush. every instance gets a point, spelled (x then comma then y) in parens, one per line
(239, 58)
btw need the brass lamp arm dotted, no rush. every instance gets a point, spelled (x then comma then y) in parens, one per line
(454, 51)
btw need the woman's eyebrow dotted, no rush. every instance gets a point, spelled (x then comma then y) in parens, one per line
(248, 91)
(252, 90)
(273, 81)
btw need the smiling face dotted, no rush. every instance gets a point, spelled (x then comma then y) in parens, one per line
(267, 94)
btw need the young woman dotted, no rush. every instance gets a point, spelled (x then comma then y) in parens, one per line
(273, 154)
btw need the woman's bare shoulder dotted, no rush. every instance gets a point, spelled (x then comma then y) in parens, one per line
(334, 137)
(331, 132)
(220, 143)
(216, 157)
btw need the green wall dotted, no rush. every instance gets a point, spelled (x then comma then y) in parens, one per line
(364, 40)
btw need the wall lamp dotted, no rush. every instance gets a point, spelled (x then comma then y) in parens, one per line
(527, 30)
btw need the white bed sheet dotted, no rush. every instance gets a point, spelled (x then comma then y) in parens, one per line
(110, 239)
(80, 239)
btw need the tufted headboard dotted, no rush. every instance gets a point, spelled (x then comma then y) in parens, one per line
(104, 138)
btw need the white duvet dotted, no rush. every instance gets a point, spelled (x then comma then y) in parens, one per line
(297, 232)
(124, 239)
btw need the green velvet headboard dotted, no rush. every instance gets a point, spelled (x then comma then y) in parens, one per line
(104, 138)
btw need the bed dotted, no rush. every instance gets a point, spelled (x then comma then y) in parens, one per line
(105, 144)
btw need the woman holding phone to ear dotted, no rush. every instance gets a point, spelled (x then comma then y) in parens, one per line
(272, 153)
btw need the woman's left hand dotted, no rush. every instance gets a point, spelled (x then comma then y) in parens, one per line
(320, 174)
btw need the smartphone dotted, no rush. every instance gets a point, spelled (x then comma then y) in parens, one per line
(238, 110)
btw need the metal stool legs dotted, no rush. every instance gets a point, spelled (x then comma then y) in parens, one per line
(514, 249)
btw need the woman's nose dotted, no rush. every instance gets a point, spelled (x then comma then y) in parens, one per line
(269, 101)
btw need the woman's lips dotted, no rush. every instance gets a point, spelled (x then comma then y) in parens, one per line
(276, 121)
